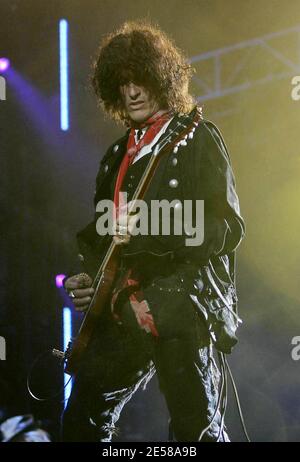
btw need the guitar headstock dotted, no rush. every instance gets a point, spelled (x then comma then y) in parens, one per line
(181, 133)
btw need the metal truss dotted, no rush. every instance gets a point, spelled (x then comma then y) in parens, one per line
(230, 64)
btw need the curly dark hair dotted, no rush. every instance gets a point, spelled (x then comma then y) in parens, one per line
(140, 52)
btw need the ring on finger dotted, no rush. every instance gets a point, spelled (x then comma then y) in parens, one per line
(71, 294)
(121, 230)
(122, 236)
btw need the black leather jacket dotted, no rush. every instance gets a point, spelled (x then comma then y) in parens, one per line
(202, 170)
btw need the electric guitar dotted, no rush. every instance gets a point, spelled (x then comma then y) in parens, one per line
(106, 275)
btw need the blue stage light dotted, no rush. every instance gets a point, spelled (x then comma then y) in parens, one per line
(67, 332)
(64, 75)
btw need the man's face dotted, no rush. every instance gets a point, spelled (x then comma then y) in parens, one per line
(138, 102)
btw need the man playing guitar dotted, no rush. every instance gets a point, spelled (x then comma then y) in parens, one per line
(170, 302)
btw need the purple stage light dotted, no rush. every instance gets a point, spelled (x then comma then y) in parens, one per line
(59, 280)
(4, 64)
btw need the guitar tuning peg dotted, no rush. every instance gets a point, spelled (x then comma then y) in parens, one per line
(183, 143)
(191, 135)
(175, 150)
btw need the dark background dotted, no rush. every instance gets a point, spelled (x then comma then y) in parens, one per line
(48, 177)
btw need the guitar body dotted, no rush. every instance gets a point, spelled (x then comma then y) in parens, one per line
(79, 344)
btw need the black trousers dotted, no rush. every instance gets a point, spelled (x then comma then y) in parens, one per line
(122, 357)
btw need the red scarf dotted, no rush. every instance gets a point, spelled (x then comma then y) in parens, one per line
(154, 124)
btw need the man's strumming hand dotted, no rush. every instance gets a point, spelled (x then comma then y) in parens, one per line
(124, 226)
